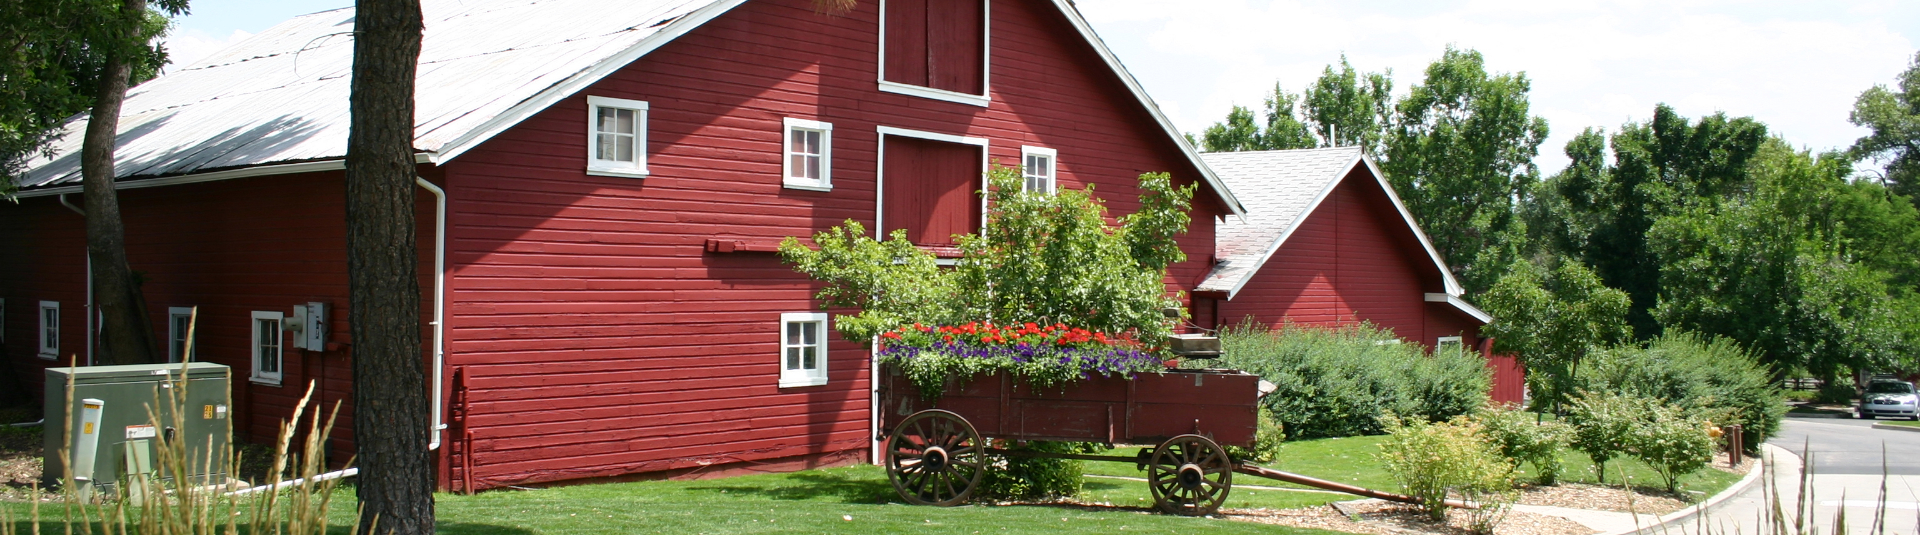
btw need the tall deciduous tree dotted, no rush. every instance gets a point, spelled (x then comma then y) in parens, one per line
(1283, 129)
(1778, 270)
(122, 38)
(1459, 153)
(1349, 108)
(1660, 167)
(390, 419)
(1552, 319)
(1894, 116)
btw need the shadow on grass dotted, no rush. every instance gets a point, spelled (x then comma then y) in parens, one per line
(813, 486)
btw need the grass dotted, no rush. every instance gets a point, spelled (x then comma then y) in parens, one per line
(813, 501)
(1351, 460)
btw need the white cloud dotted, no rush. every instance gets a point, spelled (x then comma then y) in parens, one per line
(189, 46)
(1795, 66)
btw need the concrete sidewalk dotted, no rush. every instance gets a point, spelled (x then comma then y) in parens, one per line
(1857, 495)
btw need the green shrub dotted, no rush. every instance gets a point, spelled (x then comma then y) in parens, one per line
(1267, 439)
(1338, 382)
(1524, 438)
(1705, 376)
(1033, 478)
(1837, 392)
(1603, 426)
(1671, 442)
(1435, 460)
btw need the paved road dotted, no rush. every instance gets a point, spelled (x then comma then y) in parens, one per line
(1848, 472)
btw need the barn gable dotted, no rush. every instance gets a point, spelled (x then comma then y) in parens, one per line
(1281, 189)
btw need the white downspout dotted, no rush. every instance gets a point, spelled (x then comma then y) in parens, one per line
(439, 306)
(87, 313)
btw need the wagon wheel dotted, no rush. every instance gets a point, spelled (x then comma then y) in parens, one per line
(1190, 475)
(935, 458)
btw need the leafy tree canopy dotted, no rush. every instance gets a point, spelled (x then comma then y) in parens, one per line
(1044, 258)
(1894, 116)
(1552, 319)
(52, 53)
(1342, 108)
(1459, 153)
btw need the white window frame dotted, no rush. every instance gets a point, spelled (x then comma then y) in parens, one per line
(279, 320)
(176, 332)
(816, 376)
(986, 65)
(787, 152)
(49, 333)
(1442, 342)
(596, 166)
(1027, 174)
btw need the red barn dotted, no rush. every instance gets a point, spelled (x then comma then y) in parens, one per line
(1327, 242)
(601, 186)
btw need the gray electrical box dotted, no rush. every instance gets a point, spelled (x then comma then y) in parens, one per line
(128, 436)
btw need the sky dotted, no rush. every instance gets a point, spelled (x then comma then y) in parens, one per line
(1796, 65)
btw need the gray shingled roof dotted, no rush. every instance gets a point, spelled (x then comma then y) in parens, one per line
(1279, 188)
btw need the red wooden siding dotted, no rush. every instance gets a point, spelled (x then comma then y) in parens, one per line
(230, 248)
(601, 339)
(1509, 378)
(1344, 265)
(936, 43)
(931, 189)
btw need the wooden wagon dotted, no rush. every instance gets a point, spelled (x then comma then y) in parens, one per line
(937, 451)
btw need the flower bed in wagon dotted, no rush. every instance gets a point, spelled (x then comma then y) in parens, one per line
(1041, 355)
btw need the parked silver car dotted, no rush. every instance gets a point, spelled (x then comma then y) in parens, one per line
(1891, 398)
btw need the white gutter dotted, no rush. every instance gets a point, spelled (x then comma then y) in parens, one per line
(439, 306)
(211, 176)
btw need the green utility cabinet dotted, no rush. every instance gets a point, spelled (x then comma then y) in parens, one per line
(129, 438)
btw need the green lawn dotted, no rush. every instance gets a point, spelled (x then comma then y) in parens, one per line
(814, 501)
(1351, 460)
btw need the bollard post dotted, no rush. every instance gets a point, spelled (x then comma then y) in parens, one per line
(1736, 445)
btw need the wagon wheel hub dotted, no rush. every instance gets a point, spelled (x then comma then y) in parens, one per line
(1191, 476)
(935, 458)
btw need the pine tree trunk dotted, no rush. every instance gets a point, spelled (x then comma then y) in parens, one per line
(127, 336)
(390, 420)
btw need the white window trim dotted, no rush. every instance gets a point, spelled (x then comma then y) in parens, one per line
(176, 312)
(986, 65)
(598, 167)
(1442, 341)
(1053, 166)
(826, 154)
(804, 377)
(880, 171)
(253, 351)
(49, 345)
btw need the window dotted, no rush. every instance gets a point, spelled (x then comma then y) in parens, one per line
(50, 329)
(1449, 343)
(1036, 164)
(809, 155)
(618, 146)
(803, 349)
(179, 323)
(935, 49)
(266, 347)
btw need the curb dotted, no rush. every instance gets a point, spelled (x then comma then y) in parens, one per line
(1767, 451)
(1893, 427)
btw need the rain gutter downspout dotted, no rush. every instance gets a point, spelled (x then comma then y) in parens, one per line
(87, 314)
(439, 306)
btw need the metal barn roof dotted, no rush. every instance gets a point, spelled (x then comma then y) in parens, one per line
(281, 96)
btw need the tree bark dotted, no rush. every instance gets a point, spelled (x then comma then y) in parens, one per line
(390, 420)
(127, 333)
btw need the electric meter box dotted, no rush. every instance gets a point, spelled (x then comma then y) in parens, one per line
(128, 437)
